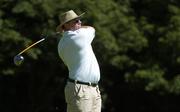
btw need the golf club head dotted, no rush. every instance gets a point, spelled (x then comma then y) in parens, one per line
(18, 60)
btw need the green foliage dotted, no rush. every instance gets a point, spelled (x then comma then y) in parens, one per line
(152, 78)
(175, 85)
(162, 49)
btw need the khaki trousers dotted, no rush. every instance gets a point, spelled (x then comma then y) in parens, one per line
(82, 98)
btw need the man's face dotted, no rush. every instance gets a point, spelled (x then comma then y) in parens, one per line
(73, 25)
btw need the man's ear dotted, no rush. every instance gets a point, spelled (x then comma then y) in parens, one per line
(62, 29)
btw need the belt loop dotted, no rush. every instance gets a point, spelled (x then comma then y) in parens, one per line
(75, 81)
(89, 83)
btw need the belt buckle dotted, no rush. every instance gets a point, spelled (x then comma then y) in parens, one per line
(92, 84)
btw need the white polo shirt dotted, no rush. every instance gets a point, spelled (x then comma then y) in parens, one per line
(76, 51)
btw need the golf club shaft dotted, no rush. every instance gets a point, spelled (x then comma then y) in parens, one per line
(31, 46)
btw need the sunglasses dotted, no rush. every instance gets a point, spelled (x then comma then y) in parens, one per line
(77, 21)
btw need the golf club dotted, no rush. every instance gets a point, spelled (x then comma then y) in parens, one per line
(18, 59)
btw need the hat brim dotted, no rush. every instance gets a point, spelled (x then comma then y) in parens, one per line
(59, 27)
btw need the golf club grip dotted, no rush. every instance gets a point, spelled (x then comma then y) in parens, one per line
(31, 46)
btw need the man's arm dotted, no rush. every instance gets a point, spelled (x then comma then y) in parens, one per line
(88, 32)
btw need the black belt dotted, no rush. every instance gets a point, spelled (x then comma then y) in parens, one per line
(85, 83)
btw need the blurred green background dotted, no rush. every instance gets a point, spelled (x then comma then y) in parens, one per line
(137, 46)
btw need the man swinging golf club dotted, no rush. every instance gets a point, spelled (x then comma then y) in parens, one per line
(81, 91)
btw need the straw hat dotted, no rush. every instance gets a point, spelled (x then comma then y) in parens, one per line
(66, 17)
